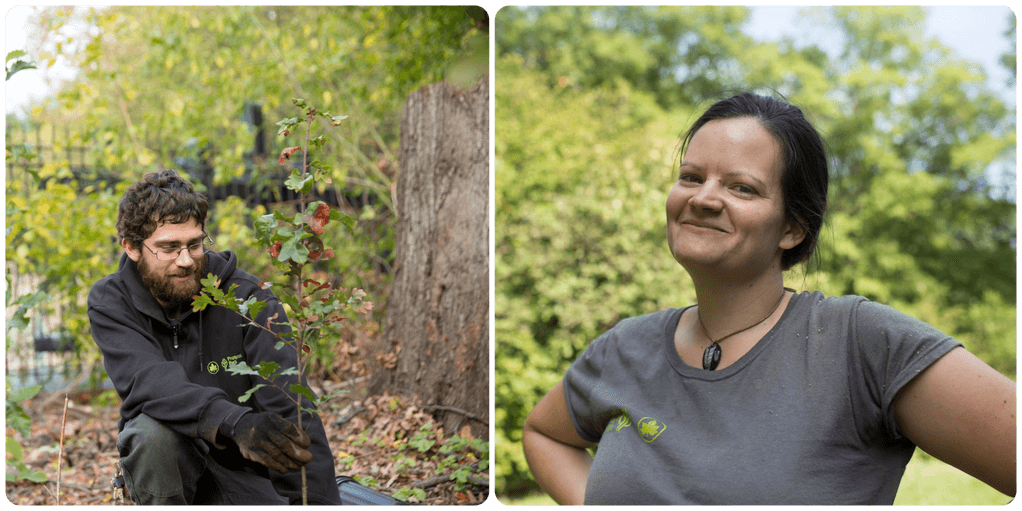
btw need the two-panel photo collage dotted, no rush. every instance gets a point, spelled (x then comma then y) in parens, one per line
(505, 256)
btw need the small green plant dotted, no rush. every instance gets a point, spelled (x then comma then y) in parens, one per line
(367, 481)
(461, 476)
(403, 463)
(447, 463)
(360, 440)
(17, 419)
(470, 456)
(410, 495)
(294, 243)
(394, 403)
(345, 461)
(421, 441)
(19, 65)
(460, 457)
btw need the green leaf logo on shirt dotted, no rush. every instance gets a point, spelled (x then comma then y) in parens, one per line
(650, 428)
(212, 368)
(622, 422)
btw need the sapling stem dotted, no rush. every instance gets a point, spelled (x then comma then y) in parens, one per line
(293, 246)
(60, 451)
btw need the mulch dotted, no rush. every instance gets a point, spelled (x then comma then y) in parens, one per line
(368, 436)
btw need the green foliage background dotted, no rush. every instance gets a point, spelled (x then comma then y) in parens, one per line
(161, 84)
(590, 105)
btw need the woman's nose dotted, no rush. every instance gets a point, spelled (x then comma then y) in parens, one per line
(707, 197)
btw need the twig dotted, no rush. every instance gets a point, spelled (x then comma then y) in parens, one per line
(444, 478)
(456, 410)
(350, 416)
(82, 488)
(353, 381)
(82, 414)
(131, 129)
(60, 451)
(478, 482)
(431, 482)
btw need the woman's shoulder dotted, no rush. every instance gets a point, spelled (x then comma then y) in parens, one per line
(652, 319)
(632, 338)
(844, 303)
(634, 330)
(866, 315)
(819, 298)
(816, 302)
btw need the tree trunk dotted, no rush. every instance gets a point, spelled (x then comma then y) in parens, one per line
(438, 309)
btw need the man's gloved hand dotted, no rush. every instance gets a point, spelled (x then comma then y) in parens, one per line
(272, 440)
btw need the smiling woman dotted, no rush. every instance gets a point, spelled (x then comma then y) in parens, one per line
(727, 205)
(811, 399)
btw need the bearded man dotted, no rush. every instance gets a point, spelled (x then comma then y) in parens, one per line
(184, 438)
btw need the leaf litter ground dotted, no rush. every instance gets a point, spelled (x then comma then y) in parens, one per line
(386, 441)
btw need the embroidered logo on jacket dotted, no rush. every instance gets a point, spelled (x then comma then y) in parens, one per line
(212, 368)
(650, 428)
(229, 361)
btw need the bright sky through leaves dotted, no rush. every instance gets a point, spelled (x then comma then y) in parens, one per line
(976, 33)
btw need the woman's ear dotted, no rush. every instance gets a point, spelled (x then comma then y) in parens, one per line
(132, 252)
(793, 234)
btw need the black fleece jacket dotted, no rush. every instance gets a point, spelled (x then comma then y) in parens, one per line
(175, 371)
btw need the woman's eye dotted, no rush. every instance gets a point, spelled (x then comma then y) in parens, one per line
(689, 178)
(744, 189)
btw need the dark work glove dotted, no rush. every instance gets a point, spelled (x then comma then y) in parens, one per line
(271, 440)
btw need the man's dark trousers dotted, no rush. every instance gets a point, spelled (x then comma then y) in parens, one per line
(162, 466)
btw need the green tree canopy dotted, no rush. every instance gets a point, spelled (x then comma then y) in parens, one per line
(158, 82)
(680, 56)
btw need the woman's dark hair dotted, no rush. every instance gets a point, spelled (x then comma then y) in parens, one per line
(158, 198)
(804, 177)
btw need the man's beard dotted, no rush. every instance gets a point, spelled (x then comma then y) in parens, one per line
(170, 293)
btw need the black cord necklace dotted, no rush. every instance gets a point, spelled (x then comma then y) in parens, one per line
(711, 355)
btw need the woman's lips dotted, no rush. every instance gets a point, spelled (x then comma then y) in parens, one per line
(702, 227)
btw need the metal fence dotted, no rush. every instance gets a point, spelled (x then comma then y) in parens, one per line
(45, 148)
(40, 354)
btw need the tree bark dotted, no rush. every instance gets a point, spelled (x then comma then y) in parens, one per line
(438, 309)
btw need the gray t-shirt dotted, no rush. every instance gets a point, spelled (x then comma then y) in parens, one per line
(805, 417)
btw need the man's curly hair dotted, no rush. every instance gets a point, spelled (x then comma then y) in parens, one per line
(160, 197)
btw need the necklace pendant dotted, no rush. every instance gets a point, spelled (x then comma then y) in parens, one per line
(711, 357)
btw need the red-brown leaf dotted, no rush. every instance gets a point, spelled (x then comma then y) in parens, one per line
(320, 218)
(287, 152)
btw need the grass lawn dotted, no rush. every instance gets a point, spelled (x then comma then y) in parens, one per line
(927, 481)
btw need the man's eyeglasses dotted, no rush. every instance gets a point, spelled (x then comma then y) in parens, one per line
(172, 253)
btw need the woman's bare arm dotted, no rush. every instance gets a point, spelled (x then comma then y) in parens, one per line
(556, 454)
(962, 411)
